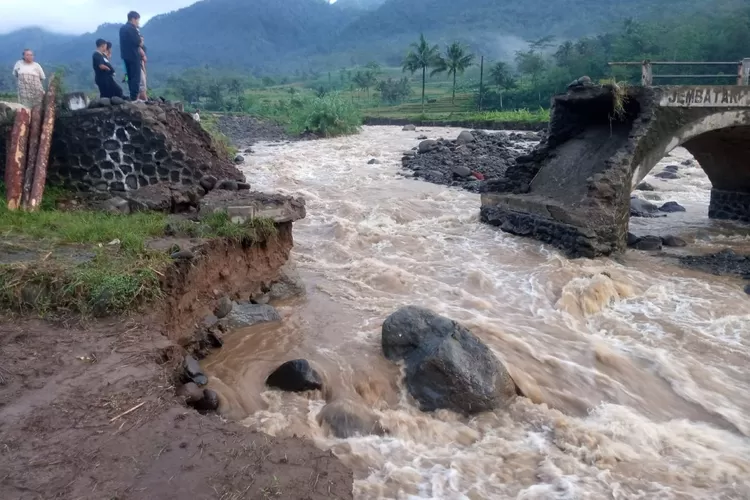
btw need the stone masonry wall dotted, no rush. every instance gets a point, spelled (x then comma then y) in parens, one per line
(133, 145)
(729, 205)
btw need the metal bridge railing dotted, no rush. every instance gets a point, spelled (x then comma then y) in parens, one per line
(647, 70)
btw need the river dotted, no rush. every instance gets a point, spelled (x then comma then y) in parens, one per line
(636, 369)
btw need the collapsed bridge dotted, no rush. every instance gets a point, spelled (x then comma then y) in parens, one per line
(574, 190)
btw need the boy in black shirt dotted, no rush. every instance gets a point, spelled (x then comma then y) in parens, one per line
(104, 73)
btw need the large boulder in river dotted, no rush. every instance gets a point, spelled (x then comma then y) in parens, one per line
(446, 365)
(295, 376)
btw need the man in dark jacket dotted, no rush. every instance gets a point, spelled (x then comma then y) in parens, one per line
(130, 50)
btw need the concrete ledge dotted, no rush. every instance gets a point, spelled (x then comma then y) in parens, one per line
(542, 222)
(242, 205)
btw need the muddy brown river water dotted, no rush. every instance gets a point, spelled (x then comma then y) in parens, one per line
(637, 371)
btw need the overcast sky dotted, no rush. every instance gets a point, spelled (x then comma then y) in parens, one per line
(78, 16)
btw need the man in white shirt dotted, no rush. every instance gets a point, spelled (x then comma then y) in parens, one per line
(197, 115)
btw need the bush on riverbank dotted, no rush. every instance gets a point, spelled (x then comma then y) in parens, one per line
(327, 116)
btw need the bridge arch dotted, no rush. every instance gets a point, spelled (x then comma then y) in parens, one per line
(574, 191)
(720, 142)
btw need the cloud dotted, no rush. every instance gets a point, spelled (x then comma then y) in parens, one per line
(78, 16)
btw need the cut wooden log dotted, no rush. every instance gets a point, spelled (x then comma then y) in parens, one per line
(35, 130)
(16, 158)
(45, 142)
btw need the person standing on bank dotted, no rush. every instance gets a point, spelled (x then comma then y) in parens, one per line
(29, 77)
(104, 73)
(130, 51)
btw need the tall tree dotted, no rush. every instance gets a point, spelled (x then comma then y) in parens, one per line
(455, 61)
(502, 77)
(421, 57)
(532, 64)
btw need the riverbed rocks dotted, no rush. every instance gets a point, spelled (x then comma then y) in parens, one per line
(193, 371)
(295, 376)
(244, 130)
(470, 157)
(725, 262)
(247, 314)
(648, 243)
(346, 419)
(223, 307)
(671, 207)
(645, 186)
(673, 241)
(643, 208)
(446, 365)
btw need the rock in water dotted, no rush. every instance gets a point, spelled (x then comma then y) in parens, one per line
(245, 314)
(671, 207)
(649, 243)
(446, 365)
(642, 208)
(645, 186)
(295, 376)
(239, 159)
(632, 239)
(667, 175)
(673, 241)
(348, 419)
(409, 128)
(374, 161)
(193, 371)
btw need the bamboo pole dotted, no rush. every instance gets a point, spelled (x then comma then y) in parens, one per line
(16, 158)
(35, 130)
(45, 143)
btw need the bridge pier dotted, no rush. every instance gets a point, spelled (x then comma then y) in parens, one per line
(729, 205)
(574, 191)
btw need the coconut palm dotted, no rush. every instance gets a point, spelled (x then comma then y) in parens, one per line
(421, 57)
(455, 62)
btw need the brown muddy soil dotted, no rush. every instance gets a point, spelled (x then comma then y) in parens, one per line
(89, 411)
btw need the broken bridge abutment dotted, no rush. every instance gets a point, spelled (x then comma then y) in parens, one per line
(574, 191)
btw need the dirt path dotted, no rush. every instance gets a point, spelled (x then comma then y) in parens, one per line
(90, 412)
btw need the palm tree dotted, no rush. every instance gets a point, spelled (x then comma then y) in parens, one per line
(421, 57)
(501, 76)
(456, 61)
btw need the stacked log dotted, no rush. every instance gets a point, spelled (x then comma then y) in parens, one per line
(45, 143)
(28, 176)
(16, 159)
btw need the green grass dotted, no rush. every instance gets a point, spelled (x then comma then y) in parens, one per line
(209, 122)
(71, 267)
(218, 224)
(514, 116)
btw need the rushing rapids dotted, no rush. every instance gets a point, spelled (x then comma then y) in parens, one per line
(635, 370)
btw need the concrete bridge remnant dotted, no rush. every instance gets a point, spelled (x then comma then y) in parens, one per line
(574, 190)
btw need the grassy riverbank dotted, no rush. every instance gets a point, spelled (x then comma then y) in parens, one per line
(94, 262)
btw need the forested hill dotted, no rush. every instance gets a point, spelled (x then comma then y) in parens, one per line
(273, 36)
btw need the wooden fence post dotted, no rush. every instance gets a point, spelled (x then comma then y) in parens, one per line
(45, 144)
(16, 158)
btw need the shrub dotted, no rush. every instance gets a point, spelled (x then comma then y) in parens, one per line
(326, 116)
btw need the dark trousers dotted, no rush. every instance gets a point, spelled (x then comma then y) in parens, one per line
(134, 78)
(108, 87)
